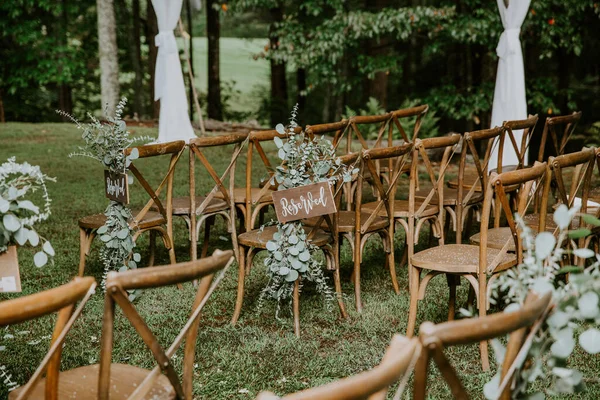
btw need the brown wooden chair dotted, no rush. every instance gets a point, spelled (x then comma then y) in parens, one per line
(253, 199)
(520, 325)
(412, 213)
(372, 384)
(471, 198)
(61, 300)
(145, 219)
(560, 129)
(209, 206)
(479, 265)
(254, 241)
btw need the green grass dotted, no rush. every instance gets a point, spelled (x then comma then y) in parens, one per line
(257, 354)
(239, 67)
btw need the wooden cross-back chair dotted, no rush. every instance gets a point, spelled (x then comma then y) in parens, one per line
(479, 265)
(520, 325)
(252, 199)
(254, 241)
(560, 129)
(413, 212)
(61, 300)
(155, 214)
(209, 206)
(372, 384)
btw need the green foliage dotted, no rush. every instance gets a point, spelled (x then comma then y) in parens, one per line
(291, 255)
(576, 302)
(19, 214)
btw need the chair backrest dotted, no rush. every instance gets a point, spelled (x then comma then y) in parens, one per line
(385, 191)
(117, 284)
(62, 300)
(531, 184)
(528, 127)
(372, 384)
(420, 156)
(485, 139)
(560, 130)
(521, 325)
(174, 150)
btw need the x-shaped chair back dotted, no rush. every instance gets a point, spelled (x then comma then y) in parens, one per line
(200, 147)
(117, 285)
(520, 325)
(174, 150)
(532, 184)
(560, 129)
(485, 139)
(520, 149)
(61, 300)
(372, 384)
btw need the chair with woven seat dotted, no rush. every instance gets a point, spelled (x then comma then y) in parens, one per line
(61, 300)
(154, 216)
(471, 198)
(521, 327)
(209, 206)
(560, 129)
(479, 265)
(373, 384)
(254, 241)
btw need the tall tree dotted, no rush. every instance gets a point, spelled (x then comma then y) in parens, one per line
(213, 31)
(109, 59)
(279, 95)
(151, 32)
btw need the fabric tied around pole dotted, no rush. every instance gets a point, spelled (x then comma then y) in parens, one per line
(167, 45)
(509, 42)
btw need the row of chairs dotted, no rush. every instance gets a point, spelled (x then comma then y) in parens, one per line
(108, 380)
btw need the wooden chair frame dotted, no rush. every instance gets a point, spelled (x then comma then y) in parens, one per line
(175, 149)
(197, 149)
(529, 181)
(117, 285)
(62, 300)
(520, 325)
(528, 127)
(558, 139)
(372, 384)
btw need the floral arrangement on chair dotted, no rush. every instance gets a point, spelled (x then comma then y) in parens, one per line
(106, 142)
(574, 303)
(304, 161)
(18, 214)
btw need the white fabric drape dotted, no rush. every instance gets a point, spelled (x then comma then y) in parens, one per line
(509, 94)
(174, 122)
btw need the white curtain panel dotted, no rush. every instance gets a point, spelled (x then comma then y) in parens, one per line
(509, 94)
(174, 122)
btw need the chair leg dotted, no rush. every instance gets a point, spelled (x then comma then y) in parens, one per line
(152, 248)
(391, 262)
(85, 243)
(296, 307)
(357, 272)
(333, 256)
(240, 292)
(452, 297)
(209, 222)
(415, 277)
(482, 305)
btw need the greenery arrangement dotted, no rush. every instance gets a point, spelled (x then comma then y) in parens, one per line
(18, 213)
(304, 161)
(106, 143)
(576, 307)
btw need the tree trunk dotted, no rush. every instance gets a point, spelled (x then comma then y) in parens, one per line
(279, 95)
(109, 61)
(2, 118)
(190, 28)
(151, 32)
(213, 31)
(136, 58)
(301, 87)
(65, 98)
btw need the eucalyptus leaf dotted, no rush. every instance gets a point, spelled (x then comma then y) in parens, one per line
(304, 256)
(490, 389)
(589, 219)
(271, 245)
(584, 253)
(102, 230)
(544, 244)
(40, 259)
(284, 271)
(579, 233)
(33, 237)
(563, 347)
(134, 154)
(562, 217)
(293, 239)
(278, 142)
(105, 238)
(278, 255)
(28, 205)
(123, 233)
(137, 257)
(280, 129)
(588, 305)
(21, 236)
(590, 341)
(11, 223)
(4, 205)
(292, 276)
(48, 248)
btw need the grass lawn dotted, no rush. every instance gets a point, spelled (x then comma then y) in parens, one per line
(237, 66)
(233, 362)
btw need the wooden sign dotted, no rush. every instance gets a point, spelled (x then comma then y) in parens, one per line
(303, 202)
(116, 187)
(10, 280)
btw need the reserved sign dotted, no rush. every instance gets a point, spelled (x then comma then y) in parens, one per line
(116, 187)
(10, 280)
(303, 202)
